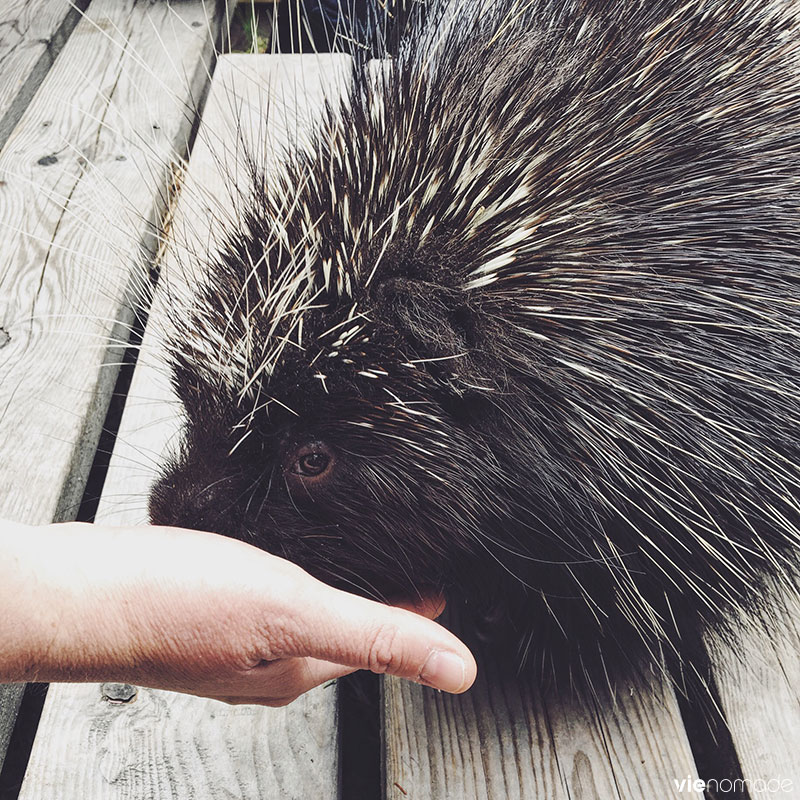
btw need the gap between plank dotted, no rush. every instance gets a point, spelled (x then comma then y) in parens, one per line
(707, 729)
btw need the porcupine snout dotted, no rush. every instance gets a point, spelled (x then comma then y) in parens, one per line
(200, 499)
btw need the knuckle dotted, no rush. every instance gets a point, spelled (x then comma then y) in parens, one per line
(384, 654)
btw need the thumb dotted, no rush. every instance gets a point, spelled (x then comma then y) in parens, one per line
(345, 629)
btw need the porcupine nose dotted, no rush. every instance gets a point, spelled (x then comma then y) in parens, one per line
(181, 502)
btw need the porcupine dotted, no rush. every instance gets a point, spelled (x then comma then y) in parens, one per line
(521, 326)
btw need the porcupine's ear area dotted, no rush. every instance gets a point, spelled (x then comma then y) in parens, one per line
(426, 312)
(439, 325)
(431, 318)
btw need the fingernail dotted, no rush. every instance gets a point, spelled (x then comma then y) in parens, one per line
(444, 670)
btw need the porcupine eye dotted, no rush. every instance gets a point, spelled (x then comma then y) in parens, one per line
(311, 463)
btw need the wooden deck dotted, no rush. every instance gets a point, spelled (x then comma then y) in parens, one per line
(95, 110)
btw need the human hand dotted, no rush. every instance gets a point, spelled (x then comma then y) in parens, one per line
(199, 613)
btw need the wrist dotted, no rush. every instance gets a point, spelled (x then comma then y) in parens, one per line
(54, 624)
(27, 615)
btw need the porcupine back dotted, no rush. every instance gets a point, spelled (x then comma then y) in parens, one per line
(521, 325)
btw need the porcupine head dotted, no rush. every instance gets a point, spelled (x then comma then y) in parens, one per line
(520, 325)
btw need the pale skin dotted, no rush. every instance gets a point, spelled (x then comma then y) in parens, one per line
(201, 614)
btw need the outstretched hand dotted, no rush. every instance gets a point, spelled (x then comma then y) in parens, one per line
(199, 613)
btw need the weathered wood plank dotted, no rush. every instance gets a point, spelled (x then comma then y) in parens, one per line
(81, 177)
(507, 739)
(163, 744)
(32, 33)
(168, 745)
(758, 680)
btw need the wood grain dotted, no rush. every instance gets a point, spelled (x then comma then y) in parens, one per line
(32, 33)
(81, 179)
(758, 679)
(162, 744)
(506, 739)
(167, 745)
